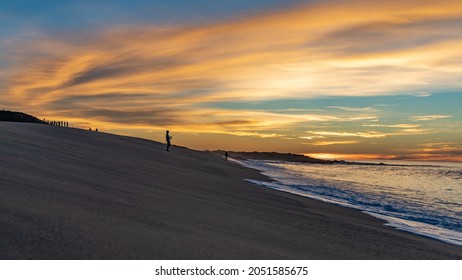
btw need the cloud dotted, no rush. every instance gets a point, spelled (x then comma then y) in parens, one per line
(422, 94)
(371, 134)
(402, 125)
(429, 117)
(352, 109)
(393, 35)
(255, 134)
(251, 58)
(437, 151)
(310, 137)
(368, 134)
(328, 143)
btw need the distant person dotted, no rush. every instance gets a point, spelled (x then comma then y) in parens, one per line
(96, 130)
(226, 155)
(168, 138)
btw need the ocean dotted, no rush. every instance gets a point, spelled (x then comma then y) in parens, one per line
(424, 198)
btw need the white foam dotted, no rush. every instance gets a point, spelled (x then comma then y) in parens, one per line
(446, 235)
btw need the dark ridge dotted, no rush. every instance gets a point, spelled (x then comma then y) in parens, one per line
(273, 156)
(290, 158)
(9, 116)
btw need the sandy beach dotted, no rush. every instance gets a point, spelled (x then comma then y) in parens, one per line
(74, 194)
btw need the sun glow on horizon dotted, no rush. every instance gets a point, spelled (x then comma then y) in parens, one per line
(350, 156)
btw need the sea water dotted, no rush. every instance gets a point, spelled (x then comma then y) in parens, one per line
(423, 198)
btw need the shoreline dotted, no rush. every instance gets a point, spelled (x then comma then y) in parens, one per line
(388, 221)
(76, 194)
(378, 221)
(414, 227)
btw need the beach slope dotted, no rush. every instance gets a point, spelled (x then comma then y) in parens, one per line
(74, 194)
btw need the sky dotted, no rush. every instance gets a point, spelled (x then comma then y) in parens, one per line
(349, 79)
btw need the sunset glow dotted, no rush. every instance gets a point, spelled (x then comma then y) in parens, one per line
(360, 79)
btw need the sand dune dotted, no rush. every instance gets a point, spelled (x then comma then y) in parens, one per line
(75, 194)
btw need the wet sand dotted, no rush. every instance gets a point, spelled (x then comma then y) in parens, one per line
(75, 194)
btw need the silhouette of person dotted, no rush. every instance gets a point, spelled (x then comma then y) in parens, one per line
(168, 138)
(226, 155)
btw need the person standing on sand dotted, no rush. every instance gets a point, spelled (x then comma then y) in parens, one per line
(226, 155)
(168, 138)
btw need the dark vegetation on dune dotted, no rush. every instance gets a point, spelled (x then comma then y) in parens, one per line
(9, 116)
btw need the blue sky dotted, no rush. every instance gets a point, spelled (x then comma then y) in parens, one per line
(60, 15)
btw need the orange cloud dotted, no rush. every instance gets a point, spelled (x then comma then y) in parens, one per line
(280, 54)
(367, 134)
(328, 143)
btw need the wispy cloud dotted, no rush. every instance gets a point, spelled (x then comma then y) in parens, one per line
(310, 137)
(401, 125)
(353, 109)
(422, 94)
(444, 151)
(368, 134)
(255, 134)
(328, 143)
(429, 117)
(371, 134)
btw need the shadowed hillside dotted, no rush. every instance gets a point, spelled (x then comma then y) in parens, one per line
(77, 194)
